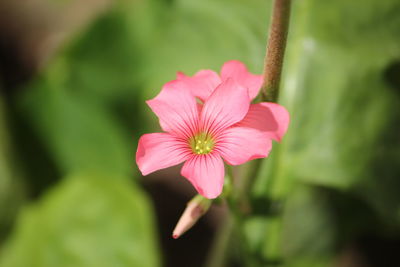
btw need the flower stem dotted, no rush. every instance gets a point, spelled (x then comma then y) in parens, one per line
(273, 63)
(272, 74)
(275, 50)
(269, 92)
(218, 253)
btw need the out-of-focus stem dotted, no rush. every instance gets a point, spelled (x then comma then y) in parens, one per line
(218, 251)
(275, 50)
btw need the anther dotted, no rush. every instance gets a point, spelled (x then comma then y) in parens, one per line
(201, 144)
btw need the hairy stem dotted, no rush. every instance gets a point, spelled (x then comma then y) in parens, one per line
(272, 74)
(269, 92)
(273, 63)
(275, 50)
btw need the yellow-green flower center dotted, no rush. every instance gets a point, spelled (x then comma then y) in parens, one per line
(201, 143)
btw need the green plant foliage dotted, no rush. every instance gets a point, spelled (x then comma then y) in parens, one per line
(307, 216)
(80, 135)
(193, 35)
(87, 220)
(88, 106)
(12, 193)
(85, 106)
(344, 117)
(5, 172)
(335, 88)
(95, 89)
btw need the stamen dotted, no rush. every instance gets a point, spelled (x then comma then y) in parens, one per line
(202, 143)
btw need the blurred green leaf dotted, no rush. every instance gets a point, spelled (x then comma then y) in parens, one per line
(336, 90)
(311, 262)
(194, 35)
(88, 220)
(89, 100)
(12, 191)
(307, 216)
(344, 111)
(80, 135)
(84, 105)
(345, 117)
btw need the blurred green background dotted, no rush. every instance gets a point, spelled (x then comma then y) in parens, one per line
(74, 76)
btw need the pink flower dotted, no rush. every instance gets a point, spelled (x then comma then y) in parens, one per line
(225, 126)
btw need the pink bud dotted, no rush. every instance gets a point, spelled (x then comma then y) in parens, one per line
(195, 208)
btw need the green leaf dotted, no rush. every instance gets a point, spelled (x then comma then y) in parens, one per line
(87, 220)
(80, 135)
(345, 118)
(91, 97)
(191, 35)
(12, 193)
(344, 111)
(307, 215)
(84, 105)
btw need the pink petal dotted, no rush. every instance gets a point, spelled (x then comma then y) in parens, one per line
(160, 150)
(206, 173)
(238, 145)
(177, 109)
(238, 71)
(227, 105)
(267, 117)
(202, 84)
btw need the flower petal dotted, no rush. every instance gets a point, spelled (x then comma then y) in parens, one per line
(238, 145)
(267, 117)
(160, 150)
(206, 173)
(176, 108)
(238, 71)
(202, 84)
(227, 105)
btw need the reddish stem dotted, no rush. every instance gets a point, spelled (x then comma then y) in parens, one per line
(275, 50)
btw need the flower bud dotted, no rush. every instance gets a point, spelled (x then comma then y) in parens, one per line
(195, 208)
